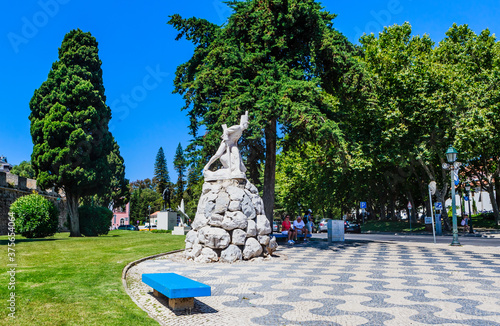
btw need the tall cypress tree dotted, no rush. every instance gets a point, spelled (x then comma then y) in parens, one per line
(161, 179)
(69, 125)
(180, 168)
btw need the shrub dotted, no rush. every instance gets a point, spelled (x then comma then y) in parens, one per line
(161, 231)
(35, 216)
(94, 221)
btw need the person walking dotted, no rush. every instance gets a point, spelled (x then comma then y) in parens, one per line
(465, 223)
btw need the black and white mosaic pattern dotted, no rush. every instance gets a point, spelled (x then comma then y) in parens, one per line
(356, 283)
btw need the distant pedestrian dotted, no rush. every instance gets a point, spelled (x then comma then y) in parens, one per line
(308, 221)
(465, 223)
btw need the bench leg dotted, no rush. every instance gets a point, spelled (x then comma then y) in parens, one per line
(176, 304)
(158, 294)
(181, 303)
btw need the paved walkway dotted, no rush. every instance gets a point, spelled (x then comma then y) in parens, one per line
(356, 283)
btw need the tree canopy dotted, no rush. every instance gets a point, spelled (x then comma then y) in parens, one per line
(24, 169)
(69, 124)
(161, 178)
(180, 167)
(342, 123)
(280, 60)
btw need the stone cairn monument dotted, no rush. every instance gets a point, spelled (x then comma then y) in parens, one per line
(230, 223)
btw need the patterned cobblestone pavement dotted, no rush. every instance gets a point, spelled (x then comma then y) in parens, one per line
(356, 283)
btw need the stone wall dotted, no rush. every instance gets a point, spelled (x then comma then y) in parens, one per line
(12, 187)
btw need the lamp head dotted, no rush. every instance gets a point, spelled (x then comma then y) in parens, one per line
(451, 154)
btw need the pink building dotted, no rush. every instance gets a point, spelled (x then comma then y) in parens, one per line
(120, 217)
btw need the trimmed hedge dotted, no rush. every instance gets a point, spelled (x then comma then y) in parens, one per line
(94, 221)
(35, 216)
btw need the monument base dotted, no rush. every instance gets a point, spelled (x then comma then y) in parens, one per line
(222, 174)
(180, 230)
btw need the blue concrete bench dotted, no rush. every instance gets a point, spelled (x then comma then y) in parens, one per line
(280, 236)
(179, 290)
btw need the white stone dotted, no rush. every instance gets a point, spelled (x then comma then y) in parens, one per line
(209, 208)
(263, 225)
(235, 193)
(215, 238)
(234, 205)
(212, 196)
(197, 248)
(192, 237)
(201, 205)
(193, 252)
(272, 246)
(258, 204)
(207, 187)
(201, 233)
(221, 203)
(238, 237)
(199, 221)
(231, 254)
(210, 187)
(247, 208)
(263, 239)
(250, 187)
(215, 220)
(251, 228)
(234, 220)
(252, 248)
(207, 256)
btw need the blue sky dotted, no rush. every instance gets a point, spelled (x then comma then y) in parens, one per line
(139, 56)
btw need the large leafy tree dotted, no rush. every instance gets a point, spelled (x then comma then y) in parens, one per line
(24, 169)
(283, 62)
(474, 62)
(414, 113)
(69, 125)
(117, 193)
(140, 200)
(142, 184)
(161, 178)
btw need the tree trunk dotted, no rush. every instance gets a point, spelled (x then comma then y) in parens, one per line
(72, 202)
(497, 193)
(392, 208)
(491, 192)
(270, 169)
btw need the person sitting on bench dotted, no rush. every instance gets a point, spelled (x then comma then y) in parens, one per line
(286, 229)
(300, 228)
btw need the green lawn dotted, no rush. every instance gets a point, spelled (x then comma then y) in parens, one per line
(77, 281)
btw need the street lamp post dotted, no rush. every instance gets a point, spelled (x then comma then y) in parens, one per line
(451, 156)
(467, 188)
(149, 216)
